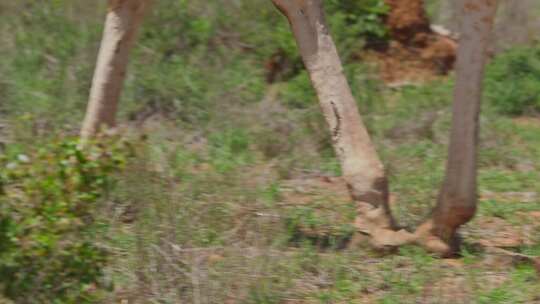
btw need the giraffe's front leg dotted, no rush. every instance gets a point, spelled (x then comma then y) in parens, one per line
(123, 20)
(362, 169)
(457, 200)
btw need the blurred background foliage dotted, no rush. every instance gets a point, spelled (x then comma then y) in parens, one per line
(190, 55)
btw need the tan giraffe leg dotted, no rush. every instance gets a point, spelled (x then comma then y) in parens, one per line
(362, 169)
(123, 20)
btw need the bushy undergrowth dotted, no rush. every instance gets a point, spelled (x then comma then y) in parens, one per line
(49, 229)
(513, 81)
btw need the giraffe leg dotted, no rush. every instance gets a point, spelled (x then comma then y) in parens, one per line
(362, 169)
(456, 203)
(123, 20)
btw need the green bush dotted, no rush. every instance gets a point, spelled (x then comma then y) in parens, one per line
(48, 225)
(513, 81)
(355, 23)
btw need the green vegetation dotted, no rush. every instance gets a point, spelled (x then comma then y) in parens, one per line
(513, 81)
(231, 194)
(49, 223)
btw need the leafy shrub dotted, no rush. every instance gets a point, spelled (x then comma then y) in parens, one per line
(513, 81)
(48, 222)
(355, 23)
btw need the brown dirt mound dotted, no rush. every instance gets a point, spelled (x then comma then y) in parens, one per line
(416, 52)
(407, 19)
(399, 63)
